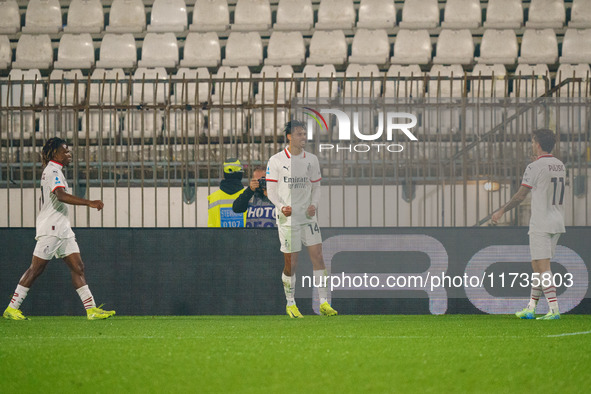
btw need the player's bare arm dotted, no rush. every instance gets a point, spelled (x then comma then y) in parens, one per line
(311, 211)
(71, 199)
(286, 211)
(515, 201)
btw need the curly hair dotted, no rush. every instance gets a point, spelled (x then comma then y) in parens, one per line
(289, 126)
(50, 149)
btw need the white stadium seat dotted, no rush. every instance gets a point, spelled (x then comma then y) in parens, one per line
(186, 90)
(243, 49)
(412, 47)
(227, 90)
(504, 14)
(404, 87)
(462, 14)
(65, 88)
(127, 16)
(580, 14)
(328, 47)
(75, 51)
(201, 50)
(533, 83)
(85, 16)
(43, 16)
(569, 71)
(33, 51)
(377, 14)
(168, 16)
(22, 93)
(285, 90)
(10, 20)
(356, 88)
(576, 46)
(210, 15)
(454, 47)
(294, 15)
(546, 14)
(335, 14)
(538, 46)
(493, 87)
(498, 47)
(5, 53)
(311, 86)
(159, 50)
(286, 48)
(420, 14)
(445, 82)
(150, 86)
(107, 87)
(117, 51)
(370, 47)
(252, 15)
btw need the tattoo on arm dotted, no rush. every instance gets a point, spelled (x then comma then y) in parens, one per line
(516, 199)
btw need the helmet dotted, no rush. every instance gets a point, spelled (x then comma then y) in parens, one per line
(232, 165)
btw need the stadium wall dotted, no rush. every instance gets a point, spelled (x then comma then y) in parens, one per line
(237, 271)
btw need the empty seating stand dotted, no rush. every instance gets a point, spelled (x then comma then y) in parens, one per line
(33, 51)
(10, 20)
(420, 14)
(252, 15)
(75, 51)
(335, 14)
(117, 51)
(210, 15)
(412, 47)
(159, 50)
(370, 47)
(504, 14)
(127, 16)
(294, 15)
(43, 16)
(377, 14)
(286, 48)
(462, 14)
(168, 16)
(201, 50)
(85, 16)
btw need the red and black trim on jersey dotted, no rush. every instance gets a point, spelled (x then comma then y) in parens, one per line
(528, 186)
(548, 155)
(55, 162)
(317, 180)
(286, 151)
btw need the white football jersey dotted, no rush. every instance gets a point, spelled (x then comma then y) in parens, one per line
(53, 216)
(546, 177)
(295, 176)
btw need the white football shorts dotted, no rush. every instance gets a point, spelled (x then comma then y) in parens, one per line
(292, 237)
(49, 247)
(542, 245)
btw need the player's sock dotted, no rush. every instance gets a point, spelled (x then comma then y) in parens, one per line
(86, 297)
(19, 296)
(536, 292)
(550, 293)
(289, 288)
(320, 283)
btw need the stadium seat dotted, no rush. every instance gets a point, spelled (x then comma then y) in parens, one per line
(377, 14)
(117, 51)
(498, 47)
(201, 50)
(210, 15)
(504, 14)
(441, 85)
(569, 71)
(403, 86)
(75, 51)
(546, 14)
(127, 16)
(159, 50)
(5, 53)
(33, 51)
(328, 47)
(227, 90)
(335, 14)
(43, 16)
(311, 87)
(530, 80)
(580, 14)
(294, 15)
(572, 116)
(286, 48)
(266, 90)
(243, 49)
(495, 87)
(150, 86)
(268, 121)
(85, 16)
(10, 20)
(420, 14)
(576, 46)
(462, 14)
(538, 46)
(454, 47)
(252, 15)
(168, 16)
(412, 47)
(353, 87)
(65, 88)
(187, 91)
(22, 93)
(107, 87)
(370, 47)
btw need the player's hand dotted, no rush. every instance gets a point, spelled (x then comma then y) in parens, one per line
(98, 204)
(254, 184)
(497, 215)
(311, 211)
(286, 211)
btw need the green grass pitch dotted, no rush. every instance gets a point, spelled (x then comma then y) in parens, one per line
(273, 354)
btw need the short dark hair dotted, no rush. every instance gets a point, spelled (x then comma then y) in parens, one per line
(292, 124)
(546, 138)
(50, 148)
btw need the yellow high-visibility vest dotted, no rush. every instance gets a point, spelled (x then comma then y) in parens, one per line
(219, 211)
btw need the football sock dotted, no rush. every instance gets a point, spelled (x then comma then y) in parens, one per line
(289, 288)
(550, 292)
(536, 292)
(19, 296)
(320, 283)
(86, 297)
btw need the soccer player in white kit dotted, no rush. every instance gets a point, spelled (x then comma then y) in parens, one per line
(54, 235)
(546, 178)
(293, 186)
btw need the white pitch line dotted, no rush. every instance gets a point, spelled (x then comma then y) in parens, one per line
(568, 334)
